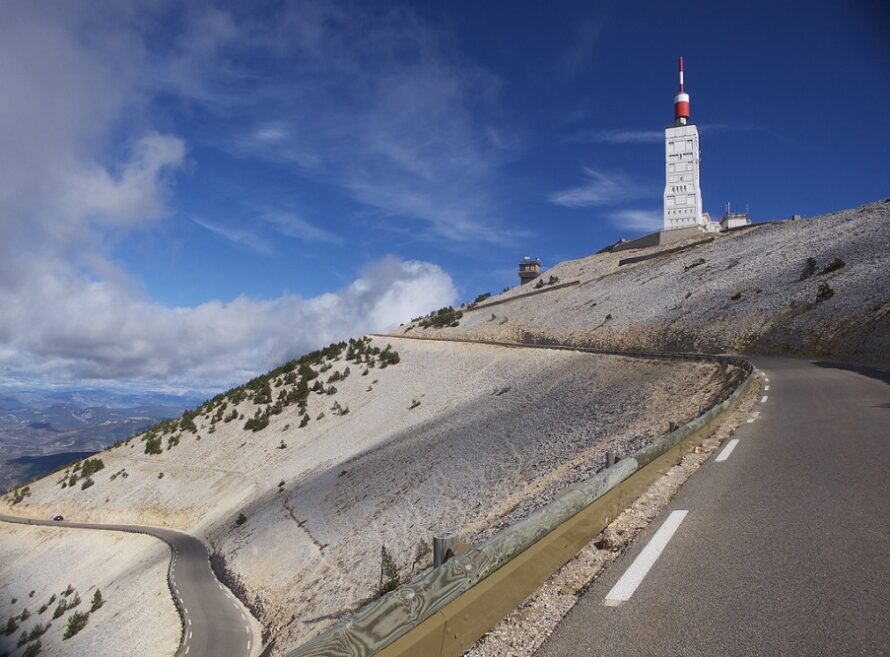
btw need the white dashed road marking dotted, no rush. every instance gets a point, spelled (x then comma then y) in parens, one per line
(766, 387)
(638, 570)
(763, 399)
(727, 450)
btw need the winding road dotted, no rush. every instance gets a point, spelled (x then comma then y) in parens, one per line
(776, 546)
(215, 623)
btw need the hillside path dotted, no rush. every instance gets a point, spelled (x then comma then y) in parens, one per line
(783, 546)
(216, 624)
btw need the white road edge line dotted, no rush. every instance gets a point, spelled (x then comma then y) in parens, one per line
(638, 570)
(763, 399)
(722, 456)
(187, 649)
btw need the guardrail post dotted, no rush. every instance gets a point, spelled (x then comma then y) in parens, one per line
(672, 426)
(443, 545)
(610, 458)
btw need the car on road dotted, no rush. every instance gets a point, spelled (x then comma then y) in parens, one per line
(58, 518)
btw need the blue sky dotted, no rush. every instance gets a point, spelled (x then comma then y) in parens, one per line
(196, 193)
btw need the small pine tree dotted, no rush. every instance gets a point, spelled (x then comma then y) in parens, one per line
(97, 601)
(76, 622)
(389, 572)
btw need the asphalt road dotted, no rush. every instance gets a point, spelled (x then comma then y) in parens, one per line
(785, 549)
(215, 623)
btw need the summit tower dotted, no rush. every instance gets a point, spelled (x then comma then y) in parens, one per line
(682, 189)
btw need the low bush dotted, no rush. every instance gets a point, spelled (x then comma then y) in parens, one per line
(389, 572)
(76, 622)
(834, 265)
(153, 445)
(97, 601)
(32, 650)
(824, 292)
(809, 269)
(240, 520)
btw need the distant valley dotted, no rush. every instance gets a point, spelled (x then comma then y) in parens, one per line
(41, 430)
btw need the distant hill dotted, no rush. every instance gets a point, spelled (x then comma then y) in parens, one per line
(40, 430)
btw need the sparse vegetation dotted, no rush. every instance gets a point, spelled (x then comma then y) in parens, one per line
(240, 520)
(153, 445)
(32, 650)
(389, 572)
(76, 622)
(414, 404)
(824, 292)
(736, 296)
(834, 265)
(446, 316)
(809, 269)
(282, 445)
(97, 601)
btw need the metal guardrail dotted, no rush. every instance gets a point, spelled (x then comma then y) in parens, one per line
(445, 611)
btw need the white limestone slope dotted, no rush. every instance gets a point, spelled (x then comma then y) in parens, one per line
(741, 292)
(138, 616)
(496, 432)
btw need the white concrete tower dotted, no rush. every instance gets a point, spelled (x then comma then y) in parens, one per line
(682, 189)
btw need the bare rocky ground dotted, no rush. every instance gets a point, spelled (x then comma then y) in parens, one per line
(740, 293)
(527, 628)
(137, 617)
(464, 437)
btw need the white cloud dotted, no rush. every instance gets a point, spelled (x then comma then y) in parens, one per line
(628, 136)
(70, 327)
(638, 221)
(236, 235)
(289, 224)
(601, 189)
(376, 103)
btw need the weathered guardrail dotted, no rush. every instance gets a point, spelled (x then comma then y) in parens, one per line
(445, 611)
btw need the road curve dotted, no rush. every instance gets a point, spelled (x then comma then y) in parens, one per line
(776, 546)
(214, 622)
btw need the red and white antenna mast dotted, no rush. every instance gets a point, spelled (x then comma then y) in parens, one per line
(681, 102)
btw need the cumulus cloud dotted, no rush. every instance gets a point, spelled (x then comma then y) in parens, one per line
(600, 189)
(69, 327)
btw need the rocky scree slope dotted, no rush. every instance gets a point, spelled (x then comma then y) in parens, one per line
(819, 288)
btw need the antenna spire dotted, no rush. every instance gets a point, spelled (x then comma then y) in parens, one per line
(681, 102)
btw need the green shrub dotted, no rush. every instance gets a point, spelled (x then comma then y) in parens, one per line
(37, 631)
(446, 316)
(240, 520)
(808, 269)
(736, 296)
(834, 265)
(91, 466)
(305, 420)
(61, 608)
(76, 622)
(389, 572)
(25, 615)
(32, 650)
(414, 404)
(824, 292)
(86, 484)
(97, 601)
(11, 626)
(153, 445)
